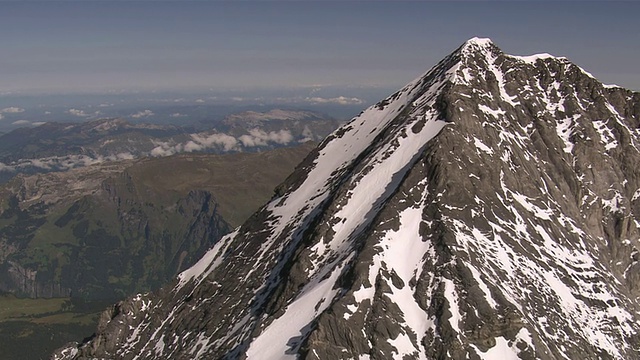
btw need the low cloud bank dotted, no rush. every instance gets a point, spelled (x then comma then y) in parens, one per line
(141, 114)
(12, 110)
(199, 142)
(340, 100)
(257, 137)
(225, 142)
(62, 162)
(76, 112)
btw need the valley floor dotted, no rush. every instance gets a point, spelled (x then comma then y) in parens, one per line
(33, 328)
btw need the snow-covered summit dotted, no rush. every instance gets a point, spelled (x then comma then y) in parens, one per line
(531, 59)
(487, 46)
(478, 42)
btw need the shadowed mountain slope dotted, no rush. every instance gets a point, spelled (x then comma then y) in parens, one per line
(104, 232)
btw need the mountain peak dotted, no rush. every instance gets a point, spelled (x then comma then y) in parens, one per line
(485, 210)
(477, 44)
(479, 41)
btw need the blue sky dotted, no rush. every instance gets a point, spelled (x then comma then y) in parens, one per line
(81, 46)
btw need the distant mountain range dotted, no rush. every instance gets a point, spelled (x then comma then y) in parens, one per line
(60, 146)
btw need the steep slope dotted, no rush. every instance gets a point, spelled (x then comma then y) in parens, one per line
(486, 210)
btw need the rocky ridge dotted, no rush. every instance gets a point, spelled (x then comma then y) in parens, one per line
(486, 210)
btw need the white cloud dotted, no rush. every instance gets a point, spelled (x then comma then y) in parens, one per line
(340, 100)
(141, 114)
(201, 142)
(199, 101)
(1, 116)
(64, 162)
(192, 146)
(73, 161)
(123, 156)
(177, 115)
(38, 123)
(165, 149)
(5, 167)
(257, 137)
(12, 110)
(40, 163)
(77, 112)
(307, 133)
(82, 113)
(47, 112)
(159, 151)
(21, 122)
(197, 143)
(274, 114)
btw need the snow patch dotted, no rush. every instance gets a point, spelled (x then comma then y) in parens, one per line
(483, 286)
(210, 260)
(481, 146)
(403, 251)
(489, 111)
(564, 129)
(493, 67)
(615, 204)
(505, 349)
(314, 298)
(606, 135)
(452, 297)
(532, 59)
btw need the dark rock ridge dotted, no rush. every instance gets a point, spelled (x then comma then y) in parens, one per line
(486, 210)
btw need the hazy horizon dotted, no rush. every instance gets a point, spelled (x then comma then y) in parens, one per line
(102, 47)
(77, 61)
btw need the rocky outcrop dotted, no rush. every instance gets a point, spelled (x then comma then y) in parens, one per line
(26, 282)
(488, 209)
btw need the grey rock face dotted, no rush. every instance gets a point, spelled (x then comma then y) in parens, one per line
(486, 210)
